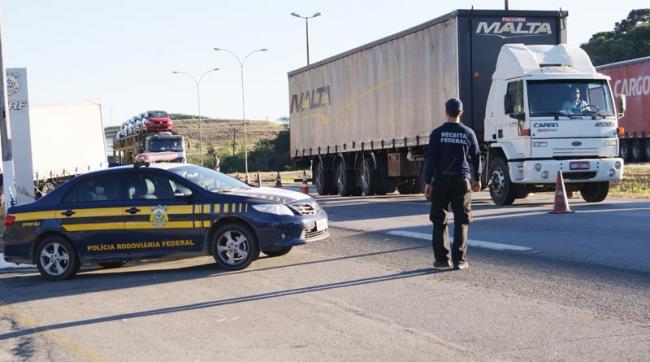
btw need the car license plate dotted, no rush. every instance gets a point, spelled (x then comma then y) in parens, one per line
(321, 224)
(579, 165)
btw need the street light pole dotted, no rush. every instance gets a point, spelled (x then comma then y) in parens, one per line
(243, 100)
(197, 82)
(306, 29)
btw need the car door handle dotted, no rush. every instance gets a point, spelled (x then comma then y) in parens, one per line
(68, 213)
(133, 210)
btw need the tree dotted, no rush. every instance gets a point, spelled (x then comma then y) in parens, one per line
(630, 39)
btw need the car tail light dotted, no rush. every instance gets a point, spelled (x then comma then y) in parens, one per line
(9, 220)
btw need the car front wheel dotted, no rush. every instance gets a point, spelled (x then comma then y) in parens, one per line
(234, 246)
(56, 259)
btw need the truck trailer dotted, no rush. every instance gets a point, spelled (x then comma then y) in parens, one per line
(632, 78)
(362, 119)
(60, 140)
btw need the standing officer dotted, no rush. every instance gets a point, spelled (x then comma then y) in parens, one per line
(452, 161)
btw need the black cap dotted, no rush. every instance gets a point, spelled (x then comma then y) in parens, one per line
(453, 105)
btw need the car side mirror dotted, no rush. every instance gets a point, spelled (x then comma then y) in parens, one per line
(622, 104)
(507, 104)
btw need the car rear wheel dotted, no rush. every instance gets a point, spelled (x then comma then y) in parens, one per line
(280, 252)
(56, 259)
(234, 246)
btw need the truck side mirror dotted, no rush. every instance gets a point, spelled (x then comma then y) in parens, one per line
(621, 104)
(507, 104)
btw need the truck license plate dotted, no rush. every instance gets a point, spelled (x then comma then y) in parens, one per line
(321, 224)
(579, 165)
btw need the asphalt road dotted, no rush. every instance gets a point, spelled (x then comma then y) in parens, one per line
(551, 287)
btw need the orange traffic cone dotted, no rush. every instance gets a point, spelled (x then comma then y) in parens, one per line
(561, 204)
(304, 188)
(278, 180)
(259, 180)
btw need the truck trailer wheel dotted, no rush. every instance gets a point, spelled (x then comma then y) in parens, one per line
(624, 149)
(323, 179)
(502, 190)
(594, 191)
(637, 150)
(369, 177)
(646, 149)
(344, 180)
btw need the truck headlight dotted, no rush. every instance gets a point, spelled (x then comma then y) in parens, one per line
(275, 209)
(610, 142)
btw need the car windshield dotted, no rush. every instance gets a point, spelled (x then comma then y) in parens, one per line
(569, 98)
(209, 179)
(166, 145)
(157, 114)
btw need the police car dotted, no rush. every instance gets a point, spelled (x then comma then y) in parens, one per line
(165, 210)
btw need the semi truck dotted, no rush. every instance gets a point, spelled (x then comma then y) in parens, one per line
(632, 78)
(58, 141)
(361, 119)
(142, 139)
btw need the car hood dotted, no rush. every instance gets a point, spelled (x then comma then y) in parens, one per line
(283, 196)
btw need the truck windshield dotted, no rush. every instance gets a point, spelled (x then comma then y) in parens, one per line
(569, 98)
(209, 179)
(166, 145)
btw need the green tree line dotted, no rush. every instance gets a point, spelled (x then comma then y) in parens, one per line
(629, 39)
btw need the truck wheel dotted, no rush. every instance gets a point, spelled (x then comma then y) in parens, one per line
(368, 177)
(647, 149)
(624, 149)
(322, 179)
(502, 191)
(594, 191)
(637, 150)
(406, 187)
(344, 180)
(56, 259)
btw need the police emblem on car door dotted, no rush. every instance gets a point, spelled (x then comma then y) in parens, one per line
(159, 217)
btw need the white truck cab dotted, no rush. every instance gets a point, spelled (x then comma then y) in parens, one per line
(550, 111)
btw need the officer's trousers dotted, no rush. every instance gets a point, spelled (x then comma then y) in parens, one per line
(457, 191)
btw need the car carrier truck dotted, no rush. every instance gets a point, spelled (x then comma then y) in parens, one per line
(362, 118)
(133, 139)
(632, 78)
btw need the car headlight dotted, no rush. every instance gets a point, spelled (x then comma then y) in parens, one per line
(275, 209)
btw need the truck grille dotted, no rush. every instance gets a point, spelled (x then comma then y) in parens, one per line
(305, 209)
(558, 152)
(579, 175)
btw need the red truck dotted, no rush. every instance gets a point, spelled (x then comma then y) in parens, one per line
(632, 78)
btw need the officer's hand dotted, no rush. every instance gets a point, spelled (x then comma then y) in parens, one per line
(476, 186)
(427, 191)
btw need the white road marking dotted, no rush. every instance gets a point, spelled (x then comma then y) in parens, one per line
(474, 243)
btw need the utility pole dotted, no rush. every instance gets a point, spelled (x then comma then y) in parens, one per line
(234, 140)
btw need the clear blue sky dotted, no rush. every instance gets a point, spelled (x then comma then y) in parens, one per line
(123, 52)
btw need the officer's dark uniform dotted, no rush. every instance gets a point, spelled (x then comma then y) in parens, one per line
(452, 160)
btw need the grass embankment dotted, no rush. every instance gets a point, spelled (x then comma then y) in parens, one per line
(636, 183)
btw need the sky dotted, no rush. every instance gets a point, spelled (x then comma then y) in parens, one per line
(123, 52)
